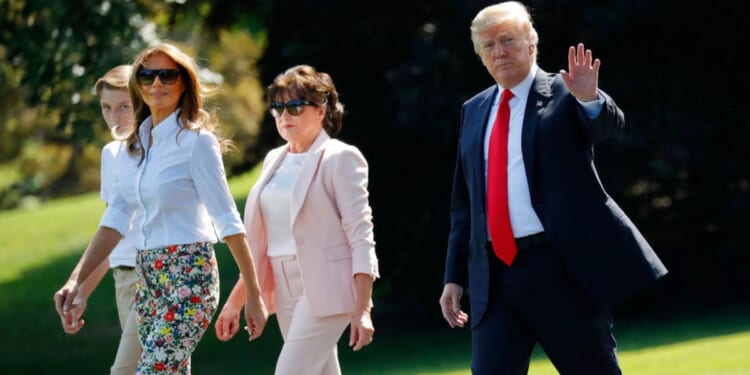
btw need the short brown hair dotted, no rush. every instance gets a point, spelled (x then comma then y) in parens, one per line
(115, 79)
(304, 82)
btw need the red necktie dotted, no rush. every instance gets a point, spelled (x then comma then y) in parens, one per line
(498, 215)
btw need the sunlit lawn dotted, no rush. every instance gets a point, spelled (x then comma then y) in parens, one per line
(41, 245)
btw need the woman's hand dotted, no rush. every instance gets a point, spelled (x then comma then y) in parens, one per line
(361, 329)
(228, 322)
(256, 316)
(256, 313)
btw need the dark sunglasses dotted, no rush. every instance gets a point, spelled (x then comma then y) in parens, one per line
(166, 76)
(293, 107)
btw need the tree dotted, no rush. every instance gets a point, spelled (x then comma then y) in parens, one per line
(50, 56)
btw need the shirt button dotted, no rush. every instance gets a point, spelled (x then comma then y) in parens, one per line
(300, 242)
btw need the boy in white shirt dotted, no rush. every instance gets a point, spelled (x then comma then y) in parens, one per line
(117, 111)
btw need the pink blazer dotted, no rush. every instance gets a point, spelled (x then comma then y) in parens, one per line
(331, 225)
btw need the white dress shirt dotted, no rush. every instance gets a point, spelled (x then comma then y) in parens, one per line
(523, 218)
(179, 189)
(276, 205)
(125, 251)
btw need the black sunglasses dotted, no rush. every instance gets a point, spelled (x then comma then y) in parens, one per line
(166, 76)
(293, 107)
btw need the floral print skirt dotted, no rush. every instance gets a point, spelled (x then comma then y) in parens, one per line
(176, 297)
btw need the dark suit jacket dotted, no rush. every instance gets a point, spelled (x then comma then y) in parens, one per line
(599, 244)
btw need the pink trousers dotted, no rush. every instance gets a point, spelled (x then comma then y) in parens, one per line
(309, 341)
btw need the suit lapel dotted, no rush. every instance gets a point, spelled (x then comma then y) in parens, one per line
(539, 96)
(307, 173)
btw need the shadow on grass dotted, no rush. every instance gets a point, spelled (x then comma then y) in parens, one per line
(32, 341)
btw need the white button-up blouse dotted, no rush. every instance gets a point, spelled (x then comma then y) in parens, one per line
(179, 189)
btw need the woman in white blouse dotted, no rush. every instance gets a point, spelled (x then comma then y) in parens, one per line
(310, 228)
(173, 179)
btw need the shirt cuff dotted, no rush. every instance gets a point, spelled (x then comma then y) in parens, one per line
(594, 107)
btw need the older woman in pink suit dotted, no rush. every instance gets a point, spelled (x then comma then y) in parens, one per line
(310, 229)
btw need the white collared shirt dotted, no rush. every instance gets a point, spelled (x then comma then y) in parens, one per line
(179, 190)
(523, 218)
(124, 253)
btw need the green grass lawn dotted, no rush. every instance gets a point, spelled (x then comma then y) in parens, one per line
(41, 246)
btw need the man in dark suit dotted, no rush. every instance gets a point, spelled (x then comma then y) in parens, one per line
(540, 246)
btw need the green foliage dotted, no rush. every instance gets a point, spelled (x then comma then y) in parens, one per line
(241, 104)
(51, 53)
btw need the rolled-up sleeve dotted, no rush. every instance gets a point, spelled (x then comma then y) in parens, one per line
(117, 215)
(207, 169)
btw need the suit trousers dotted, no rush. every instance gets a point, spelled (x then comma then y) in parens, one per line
(537, 300)
(129, 349)
(309, 341)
